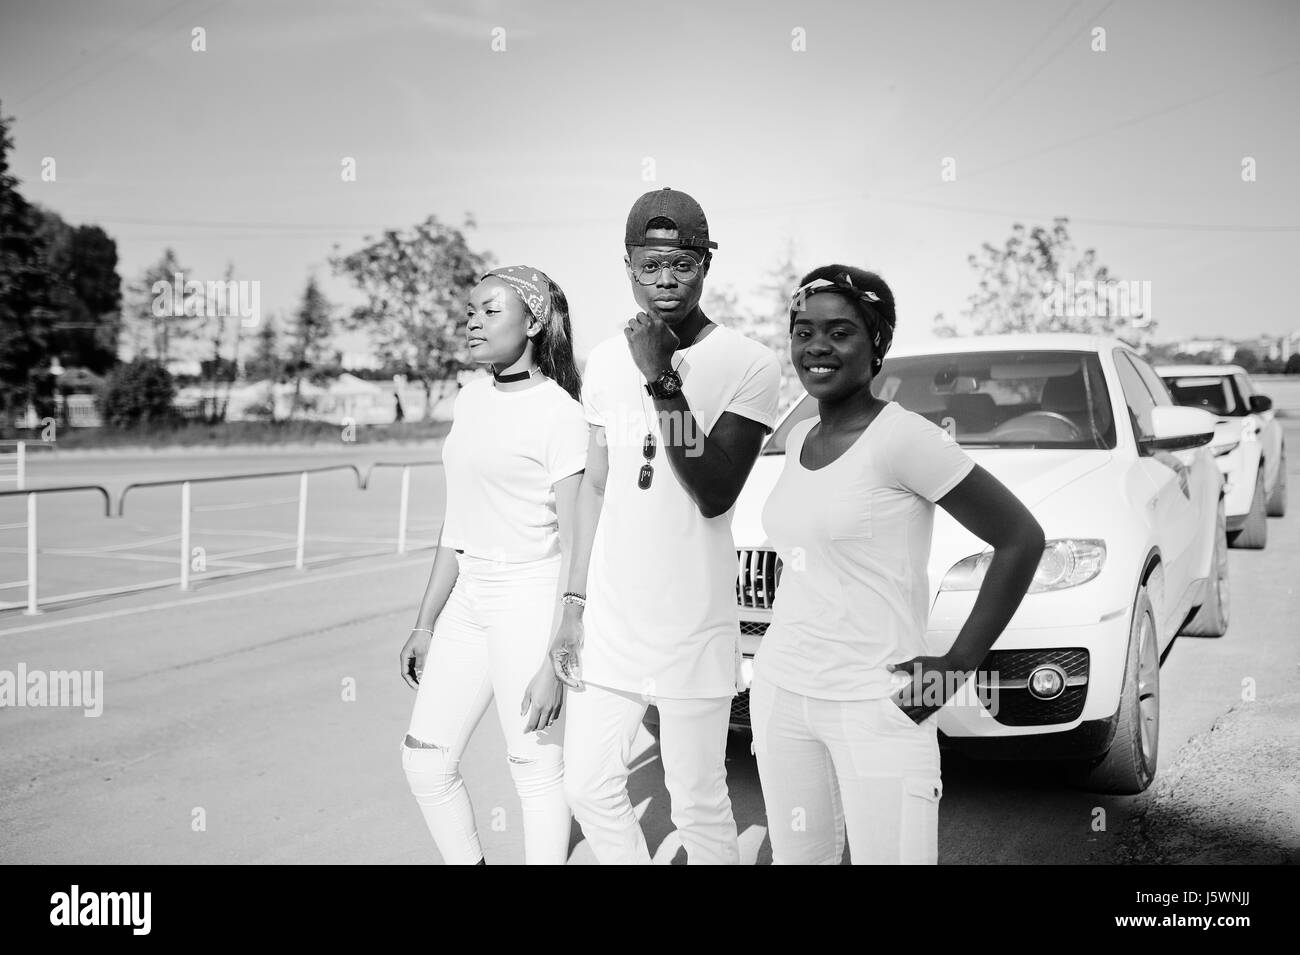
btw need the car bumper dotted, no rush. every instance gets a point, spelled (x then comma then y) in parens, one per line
(994, 716)
(1239, 469)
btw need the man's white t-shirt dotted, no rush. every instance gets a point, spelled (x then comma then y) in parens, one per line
(503, 456)
(854, 542)
(661, 616)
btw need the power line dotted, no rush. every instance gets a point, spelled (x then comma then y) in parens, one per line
(1051, 58)
(965, 119)
(104, 51)
(1088, 220)
(117, 63)
(1114, 126)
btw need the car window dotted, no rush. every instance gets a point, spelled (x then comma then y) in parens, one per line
(1006, 399)
(1136, 395)
(1244, 388)
(806, 408)
(1155, 384)
(1212, 393)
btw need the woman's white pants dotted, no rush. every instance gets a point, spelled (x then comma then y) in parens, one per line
(489, 642)
(828, 764)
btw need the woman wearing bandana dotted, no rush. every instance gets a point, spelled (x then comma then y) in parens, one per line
(842, 689)
(513, 460)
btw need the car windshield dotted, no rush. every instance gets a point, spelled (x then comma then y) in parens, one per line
(1214, 393)
(1005, 399)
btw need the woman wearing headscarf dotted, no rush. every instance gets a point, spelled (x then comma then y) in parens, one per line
(842, 687)
(513, 460)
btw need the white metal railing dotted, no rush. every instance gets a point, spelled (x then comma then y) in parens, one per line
(30, 581)
(188, 509)
(403, 508)
(13, 461)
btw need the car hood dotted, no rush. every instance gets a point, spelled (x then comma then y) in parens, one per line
(1033, 475)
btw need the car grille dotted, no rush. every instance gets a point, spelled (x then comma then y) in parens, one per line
(753, 628)
(757, 570)
(740, 710)
(1018, 707)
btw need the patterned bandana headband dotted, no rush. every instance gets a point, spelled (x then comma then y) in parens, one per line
(843, 283)
(530, 284)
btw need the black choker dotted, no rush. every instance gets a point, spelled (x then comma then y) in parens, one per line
(517, 376)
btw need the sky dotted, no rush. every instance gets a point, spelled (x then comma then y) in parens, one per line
(234, 154)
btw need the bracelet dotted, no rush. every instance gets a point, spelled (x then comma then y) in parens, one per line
(425, 629)
(573, 597)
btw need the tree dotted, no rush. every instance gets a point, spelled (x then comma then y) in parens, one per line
(26, 311)
(1293, 364)
(1038, 282)
(86, 294)
(267, 361)
(308, 354)
(152, 316)
(217, 318)
(415, 285)
(769, 321)
(1247, 359)
(138, 392)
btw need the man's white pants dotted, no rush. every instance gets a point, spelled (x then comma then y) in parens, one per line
(600, 728)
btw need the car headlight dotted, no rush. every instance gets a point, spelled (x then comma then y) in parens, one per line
(1067, 562)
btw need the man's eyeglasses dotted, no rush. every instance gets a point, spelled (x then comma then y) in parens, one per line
(685, 268)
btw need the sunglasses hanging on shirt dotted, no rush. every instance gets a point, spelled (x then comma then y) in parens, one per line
(647, 473)
(647, 470)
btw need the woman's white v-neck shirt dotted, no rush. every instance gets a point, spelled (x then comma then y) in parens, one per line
(854, 542)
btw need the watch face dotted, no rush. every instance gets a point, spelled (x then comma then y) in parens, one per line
(670, 383)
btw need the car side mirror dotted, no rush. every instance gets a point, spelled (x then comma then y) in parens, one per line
(1260, 403)
(1177, 428)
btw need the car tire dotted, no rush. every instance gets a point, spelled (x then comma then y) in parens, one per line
(1254, 533)
(1211, 619)
(1129, 766)
(1277, 500)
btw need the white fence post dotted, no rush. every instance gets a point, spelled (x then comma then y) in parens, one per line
(32, 609)
(401, 510)
(21, 453)
(302, 518)
(185, 535)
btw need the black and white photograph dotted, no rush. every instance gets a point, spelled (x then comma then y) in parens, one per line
(529, 432)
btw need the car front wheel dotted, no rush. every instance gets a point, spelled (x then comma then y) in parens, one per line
(1130, 764)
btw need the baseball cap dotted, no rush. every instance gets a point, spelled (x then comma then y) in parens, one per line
(684, 212)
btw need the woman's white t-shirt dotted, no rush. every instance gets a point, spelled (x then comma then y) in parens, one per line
(854, 542)
(503, 456)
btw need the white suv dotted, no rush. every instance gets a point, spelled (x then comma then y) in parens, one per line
(1085, 433)
(1248, 445)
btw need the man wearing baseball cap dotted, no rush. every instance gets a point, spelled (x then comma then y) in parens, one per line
(678, 408)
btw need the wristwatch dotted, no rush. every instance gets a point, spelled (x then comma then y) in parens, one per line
(665, 386)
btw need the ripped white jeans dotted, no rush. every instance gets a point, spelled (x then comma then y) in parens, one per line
(825, 764)
(488, 642)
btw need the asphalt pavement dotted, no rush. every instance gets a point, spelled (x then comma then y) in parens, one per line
(258, 718)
